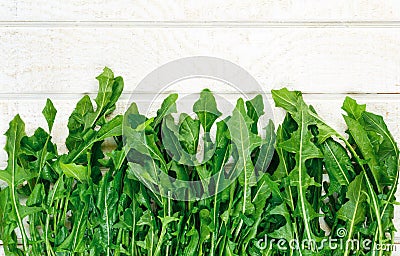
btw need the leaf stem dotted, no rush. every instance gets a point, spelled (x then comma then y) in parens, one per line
(370, 190)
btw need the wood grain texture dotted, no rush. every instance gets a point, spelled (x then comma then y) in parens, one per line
(315, 60)
(208, 10)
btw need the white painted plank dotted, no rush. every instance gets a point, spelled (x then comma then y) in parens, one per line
(208, 10)
(331, 60)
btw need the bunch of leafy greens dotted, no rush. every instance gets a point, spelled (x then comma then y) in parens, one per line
(91, 202)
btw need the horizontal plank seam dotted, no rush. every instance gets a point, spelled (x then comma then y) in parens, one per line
(204, 24)
(126, 94)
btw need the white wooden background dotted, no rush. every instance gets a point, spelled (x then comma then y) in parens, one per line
(325, 49)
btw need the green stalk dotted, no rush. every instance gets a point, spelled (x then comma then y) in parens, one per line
(46, 235)
(215, 214)
(55, 216)
(33, 231)
(119, 238)
(392, 192)
(133, 240)
(169, 214)
(371, 192)
(41, 165)
(295, 223)
(369, 185)
(19, 219)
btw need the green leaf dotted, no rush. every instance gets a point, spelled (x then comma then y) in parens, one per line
(84, 119)
(75, 241)
(352, 108)
(118, 87)
(112, 199)
(37, 196)
(49, 112)
(263, 191)
(388, 156)
(245, 142)
(206, 109)
(286, 162)
(109, 92)
(255, 109)
(300, 144)
(220, 158)
(388, 146)
(75, 171)
(191, 249)
(165, 221)
(291, 100)
(189, 130)
(360, 136)
(364, 128)
(354, 211)
(118, 158)
(42, 151)
(167, 107)
(286, 231)
(58, 191)
(286, 99)
(266, 150)
(112, 128)
(76, 122)
(337, 164)
(170, 139)
(15, 175)
(27, 210)
(205, 229)
(144, 144)
(4, 200)
(106, 204)
(147, 219)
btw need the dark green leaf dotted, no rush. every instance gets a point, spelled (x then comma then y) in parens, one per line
(49, 112)
(206, 109)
